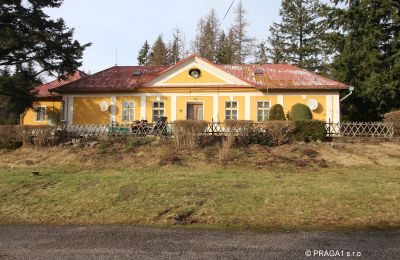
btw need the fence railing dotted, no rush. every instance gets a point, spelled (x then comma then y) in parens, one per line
(360, 129)
(348, 129)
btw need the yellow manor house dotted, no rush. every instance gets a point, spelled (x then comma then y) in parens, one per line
(194, 88)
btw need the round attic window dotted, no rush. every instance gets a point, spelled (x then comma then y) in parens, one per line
(195, 73)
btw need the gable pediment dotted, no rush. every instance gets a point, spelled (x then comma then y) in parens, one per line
(179, 75)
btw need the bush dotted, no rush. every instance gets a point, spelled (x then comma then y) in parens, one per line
(9, 137)
(243, 131)
(15, 136)
(277, 113)
(278, 132)
(394, 117)
(300, 112)
(309, 130)
(187, 131)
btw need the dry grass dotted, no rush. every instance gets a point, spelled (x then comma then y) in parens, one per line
(287, 187)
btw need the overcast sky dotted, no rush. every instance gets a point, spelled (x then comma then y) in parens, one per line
(126, 24)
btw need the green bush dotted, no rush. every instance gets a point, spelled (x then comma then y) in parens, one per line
(308, 130)
(394, 117)
(300, 112)
(277, 113)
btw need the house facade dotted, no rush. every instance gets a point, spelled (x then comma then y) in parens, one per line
(196, 89)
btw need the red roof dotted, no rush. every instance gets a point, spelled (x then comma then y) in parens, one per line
(262, 76)
(44, 89)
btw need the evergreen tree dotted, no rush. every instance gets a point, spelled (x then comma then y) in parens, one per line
(276, 49)
(243, 44)
(225, 50)
(176, 48)
(205, 43)
(144, 53)
(261, 56)
(159, 53)
(368, 43)
(299, 34)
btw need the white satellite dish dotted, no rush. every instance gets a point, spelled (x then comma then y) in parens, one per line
(103, 106)
(312, 104)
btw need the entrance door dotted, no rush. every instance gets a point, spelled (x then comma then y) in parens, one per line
(194, 111)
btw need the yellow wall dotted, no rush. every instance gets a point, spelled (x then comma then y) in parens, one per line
(118, 109)
(241, 107)
(184, 77)
(253, 101)
(29, 117)
(207, 106)
(149, 107)
(318, 114)
(87, 111)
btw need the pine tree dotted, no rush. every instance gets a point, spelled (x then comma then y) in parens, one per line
(261, 56)
(144, 53)
(243, 44)
(205, 43)
(176, 48)
(298, 35)
(159, 53)
(276, 43)
(368, 43)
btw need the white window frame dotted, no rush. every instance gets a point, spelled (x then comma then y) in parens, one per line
(131, 111)
(153, 109)
(232, 109)
(263, 109)
(36, 114)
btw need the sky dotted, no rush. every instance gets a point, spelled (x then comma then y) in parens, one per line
(124, 25)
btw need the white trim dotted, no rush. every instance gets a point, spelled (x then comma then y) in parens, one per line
(336, 108)
(280, 100)
(304, 96)
(328, 108)
(202, 65)
(113, 104)
(122, 110)
(247, 108)
(70, 109)
(173, 108)
(142, 107)
(64, 108)
(269, 109)
(237, 109)
(215, 107)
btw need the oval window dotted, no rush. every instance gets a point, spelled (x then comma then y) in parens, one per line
(195, 73)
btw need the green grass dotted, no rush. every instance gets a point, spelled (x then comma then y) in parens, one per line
(206, 196)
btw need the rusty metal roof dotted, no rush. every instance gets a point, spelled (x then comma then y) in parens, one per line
(44, 90)
(261, 76)
(117, 78)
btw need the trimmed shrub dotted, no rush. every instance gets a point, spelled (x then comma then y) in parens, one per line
(309, 130)
(9, 137)
(278, 132)
(187, 131)
(394, 117)
(242, 130)
(300, 112)
(277, 113)
(15, 136)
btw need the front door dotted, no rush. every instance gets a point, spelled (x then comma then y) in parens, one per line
(194, 111)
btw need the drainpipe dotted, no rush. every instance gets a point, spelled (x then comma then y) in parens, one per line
(351, 89)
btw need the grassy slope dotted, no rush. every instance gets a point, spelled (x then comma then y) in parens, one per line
(201, 193)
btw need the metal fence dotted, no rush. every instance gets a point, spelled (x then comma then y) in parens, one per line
(360, 129)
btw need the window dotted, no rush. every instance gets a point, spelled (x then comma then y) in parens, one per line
(263, 110)
(231, 110)
(128, 111)
(158, 110)
(40, 114)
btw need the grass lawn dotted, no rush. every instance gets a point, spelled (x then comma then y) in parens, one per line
(200, 194)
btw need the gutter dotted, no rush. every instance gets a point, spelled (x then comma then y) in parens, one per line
(351, 90)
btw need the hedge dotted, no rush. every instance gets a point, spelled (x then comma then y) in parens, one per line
(300, 112)
(308, 130)
(394, 117)
(15, 136)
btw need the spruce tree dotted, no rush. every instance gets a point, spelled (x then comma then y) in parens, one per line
(205, 43)
(276, 45)
(176, 48)
(368, 43)
(144, 53)
(299, 33)
(225, 49)
(159, 53)
(243, 44)
(261, 56)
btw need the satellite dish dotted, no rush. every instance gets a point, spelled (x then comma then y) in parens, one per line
(103, 106)
(312, 104)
